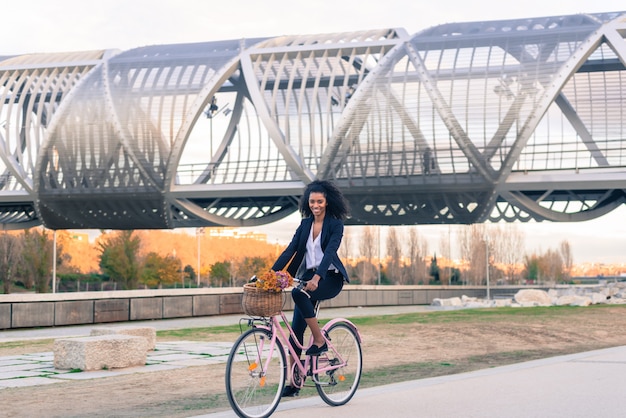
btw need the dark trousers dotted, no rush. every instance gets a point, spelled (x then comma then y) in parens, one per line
(305, 307)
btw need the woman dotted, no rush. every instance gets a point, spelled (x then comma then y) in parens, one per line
(312, 257)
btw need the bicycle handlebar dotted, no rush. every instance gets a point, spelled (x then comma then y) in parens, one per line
(300, 286)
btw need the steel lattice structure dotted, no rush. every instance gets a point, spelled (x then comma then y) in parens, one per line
(459, 123)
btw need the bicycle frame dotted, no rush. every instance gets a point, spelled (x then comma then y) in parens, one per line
(279, 335)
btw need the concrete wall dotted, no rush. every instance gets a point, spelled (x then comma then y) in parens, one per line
(46, 310)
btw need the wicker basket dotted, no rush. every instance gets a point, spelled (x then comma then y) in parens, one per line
(258, 302)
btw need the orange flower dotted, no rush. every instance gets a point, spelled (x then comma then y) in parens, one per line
(274, 281)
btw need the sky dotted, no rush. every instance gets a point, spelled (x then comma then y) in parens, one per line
(31, 26)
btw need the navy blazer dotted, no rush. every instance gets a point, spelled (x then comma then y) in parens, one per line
(293, 256)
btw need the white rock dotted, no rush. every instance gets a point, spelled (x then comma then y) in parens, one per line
(533, 296)
(597, 298)
(573, 300)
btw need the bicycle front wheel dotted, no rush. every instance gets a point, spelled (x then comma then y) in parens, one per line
(339, 369)
(255, 374)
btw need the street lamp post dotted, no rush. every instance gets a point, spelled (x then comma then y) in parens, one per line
(487, 264)
(54, 261)
(379, 266)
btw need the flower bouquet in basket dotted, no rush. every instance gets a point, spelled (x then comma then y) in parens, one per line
(274, 281)
(264, 297)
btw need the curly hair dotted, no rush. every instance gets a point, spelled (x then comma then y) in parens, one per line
(337, 204)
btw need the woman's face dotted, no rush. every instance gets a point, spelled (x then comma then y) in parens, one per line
(317, 204)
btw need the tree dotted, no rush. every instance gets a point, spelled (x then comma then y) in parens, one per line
(345, 247)
(190, 272)
(394, 256)
(10, 257)
(553, 265)
(445, 249)
(368, 248)
(434, 270)
(38, 258)
(545, 267)
(505, 243)
(473, 247)
(250, 266)
(158, 270)
(418, 248)
(532, 267)
(220, 273)
(119, 258)
(568, 259)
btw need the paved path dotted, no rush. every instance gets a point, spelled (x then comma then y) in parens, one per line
(586, 385)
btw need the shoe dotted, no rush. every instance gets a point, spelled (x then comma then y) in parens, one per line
(316, 351)
(289, 392)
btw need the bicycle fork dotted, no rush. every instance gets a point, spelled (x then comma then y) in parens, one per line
(255, 368)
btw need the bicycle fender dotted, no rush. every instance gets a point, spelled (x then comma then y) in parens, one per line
(348, 323)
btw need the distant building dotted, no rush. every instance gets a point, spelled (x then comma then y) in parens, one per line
(231, 232)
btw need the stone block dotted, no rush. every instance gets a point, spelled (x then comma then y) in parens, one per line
(231, 304)
(111, 310)
(390, 297)
(340, 301)
(420, 298)
(449, 293)
(357, 297)
(177, 306)
(99, 352)
(36, 314)
(206, 305)
(405, 297)
(148, 333)
(73, 312)
(5, 315)
(375, 298)
(146, 308)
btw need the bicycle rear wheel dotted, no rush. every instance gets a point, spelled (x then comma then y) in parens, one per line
(336, 387)
(255, 374)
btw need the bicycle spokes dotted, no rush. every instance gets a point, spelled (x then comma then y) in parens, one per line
(338, 372)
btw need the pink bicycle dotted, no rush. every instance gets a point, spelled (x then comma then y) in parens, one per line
(256, 370)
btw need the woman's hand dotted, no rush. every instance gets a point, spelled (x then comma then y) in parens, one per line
(312, 284)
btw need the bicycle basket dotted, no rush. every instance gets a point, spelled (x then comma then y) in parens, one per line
(259, 302)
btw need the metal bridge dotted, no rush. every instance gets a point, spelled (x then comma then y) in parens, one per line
(459, 123)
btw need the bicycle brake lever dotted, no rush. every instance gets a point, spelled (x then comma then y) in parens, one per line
(300, 287)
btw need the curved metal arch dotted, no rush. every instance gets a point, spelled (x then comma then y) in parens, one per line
(123, 135)
(195, 110)
(341, 142)
(254, 89)
(601, 207)
(61, 110)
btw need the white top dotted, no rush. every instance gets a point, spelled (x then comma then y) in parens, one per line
(314, 253)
